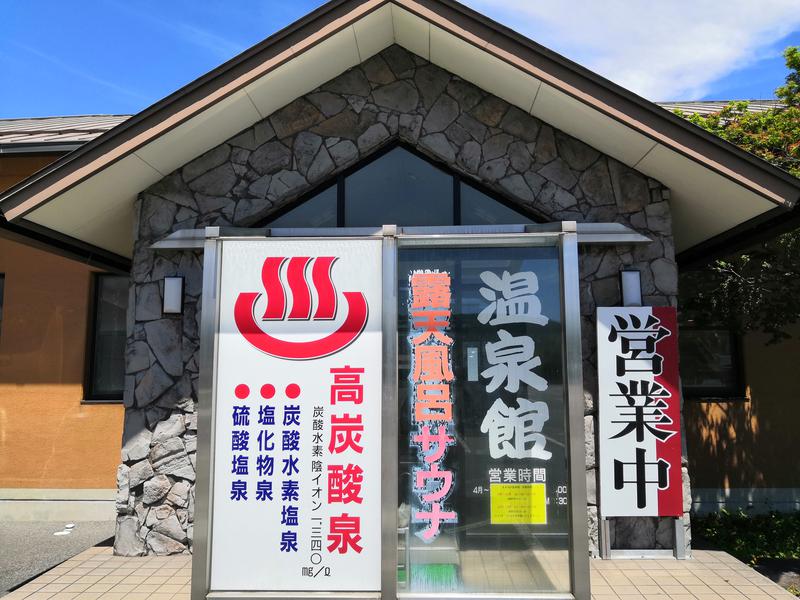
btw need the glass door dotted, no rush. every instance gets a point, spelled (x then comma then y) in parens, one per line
(483, 477)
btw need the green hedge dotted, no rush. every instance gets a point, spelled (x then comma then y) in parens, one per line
(751, 538)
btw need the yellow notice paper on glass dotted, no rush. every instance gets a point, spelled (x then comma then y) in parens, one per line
(518, 504)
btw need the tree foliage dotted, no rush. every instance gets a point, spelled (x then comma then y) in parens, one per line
(758, 289)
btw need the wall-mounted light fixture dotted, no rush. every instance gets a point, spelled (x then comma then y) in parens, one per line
(630, 283)
(173, 296)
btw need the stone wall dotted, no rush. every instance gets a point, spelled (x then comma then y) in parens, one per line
(392, 96)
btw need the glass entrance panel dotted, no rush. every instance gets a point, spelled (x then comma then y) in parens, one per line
(483, 498)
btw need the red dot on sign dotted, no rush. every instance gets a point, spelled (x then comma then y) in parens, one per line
(293, 390)
(242, 391)
(267, 391)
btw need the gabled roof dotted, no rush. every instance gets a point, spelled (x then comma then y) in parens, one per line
(20, 135)
(707, 107)
(89, 193)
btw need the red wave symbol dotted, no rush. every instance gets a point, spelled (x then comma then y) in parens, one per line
(350, 329)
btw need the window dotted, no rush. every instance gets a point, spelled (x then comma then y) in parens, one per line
(710, 365)
(398, 187)
(318, 211)
(106, 359)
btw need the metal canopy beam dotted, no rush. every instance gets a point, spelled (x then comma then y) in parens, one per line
(606, 234)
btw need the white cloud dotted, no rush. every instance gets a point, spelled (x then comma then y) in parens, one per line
(662, 49)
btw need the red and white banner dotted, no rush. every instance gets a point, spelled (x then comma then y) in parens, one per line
(297, 420)
(639, 412)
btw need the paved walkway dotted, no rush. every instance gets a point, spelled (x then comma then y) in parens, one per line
(28, 548)
(710, 575)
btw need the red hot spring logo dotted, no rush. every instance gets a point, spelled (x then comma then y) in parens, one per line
(297, 270)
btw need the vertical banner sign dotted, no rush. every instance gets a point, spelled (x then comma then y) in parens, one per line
(297, 425)
(431, 402)
(639, 412)
(517, 494)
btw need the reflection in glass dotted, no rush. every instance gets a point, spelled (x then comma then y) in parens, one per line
(319, 211)
(479, 209)
(108, 359)
(398, 188)
(499, 543)
(707, 360)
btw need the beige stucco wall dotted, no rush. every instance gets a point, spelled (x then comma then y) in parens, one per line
(749, 448)
(48, 438)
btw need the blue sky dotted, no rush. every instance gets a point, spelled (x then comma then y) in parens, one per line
(119, 56)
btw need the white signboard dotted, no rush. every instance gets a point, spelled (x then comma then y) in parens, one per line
(297, 440)
(639, 412)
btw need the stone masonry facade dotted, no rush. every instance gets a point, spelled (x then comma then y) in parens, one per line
(393, 96)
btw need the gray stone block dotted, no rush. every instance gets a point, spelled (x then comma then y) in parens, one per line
(372, 137)
(137, 357)
(444, 112)
(516, 186)
(467, 95)
(496, 146)
(591, 486)
(494, 170)
(344, 153)
(431, 81)
(520, 125)
(439, 146)
(127, 541)
(349, 83)
(217, 182)
(559, 173)
(296, 116)
(123, 489)
(577, 154)
(179, 494)
(155, 489)
(399, 60)
(545, 145)
(589, 440)
(321, 167)
(171, 527)
(519, 157)
(630, 188)
(135, 436)
(206, 162)
(377, 71)
(665, 276)
(327, 103)
(148, 302)
(401, 96)
(271, 157)
(139, 473)
(306, 146)
(595, 183)
(490, 111)
(470, 156)
(162, 545)
(173, 426)
(164, 339)
(170, 458)
(593, 522)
